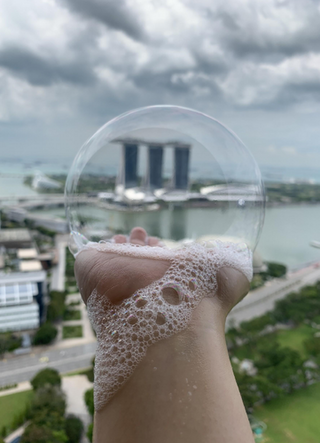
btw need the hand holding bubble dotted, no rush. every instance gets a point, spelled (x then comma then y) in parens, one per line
(184, 178)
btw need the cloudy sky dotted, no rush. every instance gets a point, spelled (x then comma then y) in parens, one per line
(68, 66)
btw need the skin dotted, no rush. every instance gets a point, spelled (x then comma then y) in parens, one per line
(184, 390)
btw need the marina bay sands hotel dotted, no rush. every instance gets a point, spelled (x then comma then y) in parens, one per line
(128, 176)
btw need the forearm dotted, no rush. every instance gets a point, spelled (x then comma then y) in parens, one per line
(183, 391)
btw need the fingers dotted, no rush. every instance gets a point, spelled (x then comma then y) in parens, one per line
(153, 241)
(138, 236)
(120, 238)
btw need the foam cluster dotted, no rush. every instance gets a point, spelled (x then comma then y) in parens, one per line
(125, 331)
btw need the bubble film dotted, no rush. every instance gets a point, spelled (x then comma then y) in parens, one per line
(178, 173)
(125, 331)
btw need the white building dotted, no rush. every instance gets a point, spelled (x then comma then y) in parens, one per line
(41, 181)
(21, 300)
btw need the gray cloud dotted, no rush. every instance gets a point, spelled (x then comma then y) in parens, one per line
(112, 13)
(241, 62)
(44, 71)
(257, 32)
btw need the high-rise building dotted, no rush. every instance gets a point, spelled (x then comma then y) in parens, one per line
(181, 167)
(22, 300)
(155, 167)
(130, 152)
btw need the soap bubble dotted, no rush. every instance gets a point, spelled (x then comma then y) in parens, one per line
(176, 172)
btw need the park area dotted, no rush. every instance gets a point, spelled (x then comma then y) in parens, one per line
(294, 418)
(13, 405)
(276, 362)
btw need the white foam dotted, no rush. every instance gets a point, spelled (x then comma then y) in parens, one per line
(125, 331)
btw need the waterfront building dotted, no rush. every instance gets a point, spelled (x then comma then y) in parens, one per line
(23, 288)
(181, 167)
(155, 161)
(21, 300)
(128, 173)
(130, 154)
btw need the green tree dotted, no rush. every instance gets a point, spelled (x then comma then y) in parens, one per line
(281, 366)
(42, 434)
(50, 419)
(90, 432)
(48, 376)
(276, 269)
(49, 398)
(73, 428)
(312, 346)
(257, 324)
(46, 231)
(88, 398)
(297, 307)
(9, 342)
(56, 306)
(45, 334)
(36, 434)
(69, 264)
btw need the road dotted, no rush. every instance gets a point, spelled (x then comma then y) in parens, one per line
(262, 300)
(22, 368)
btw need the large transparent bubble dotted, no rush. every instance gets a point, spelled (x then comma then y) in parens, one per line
(176, 172)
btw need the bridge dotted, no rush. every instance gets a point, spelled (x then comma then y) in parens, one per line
(40, 201)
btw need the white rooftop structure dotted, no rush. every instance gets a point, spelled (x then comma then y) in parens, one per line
(30, 265)
(27, 253)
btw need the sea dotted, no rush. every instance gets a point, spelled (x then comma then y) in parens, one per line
(285, 237)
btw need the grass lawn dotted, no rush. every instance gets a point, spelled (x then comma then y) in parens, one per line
(72, 331)
(294, 418)
(12, 405)
(72, 314)
(294, 338)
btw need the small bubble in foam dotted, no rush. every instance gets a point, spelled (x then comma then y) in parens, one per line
(115, 334)
(141, 301)
(155, 369)
(132, 319)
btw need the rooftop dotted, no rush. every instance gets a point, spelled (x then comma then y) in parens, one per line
(15, 235)
(30, 265)
(21, 277)
(27, 253)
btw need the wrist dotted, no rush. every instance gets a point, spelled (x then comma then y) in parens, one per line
(174, 379)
